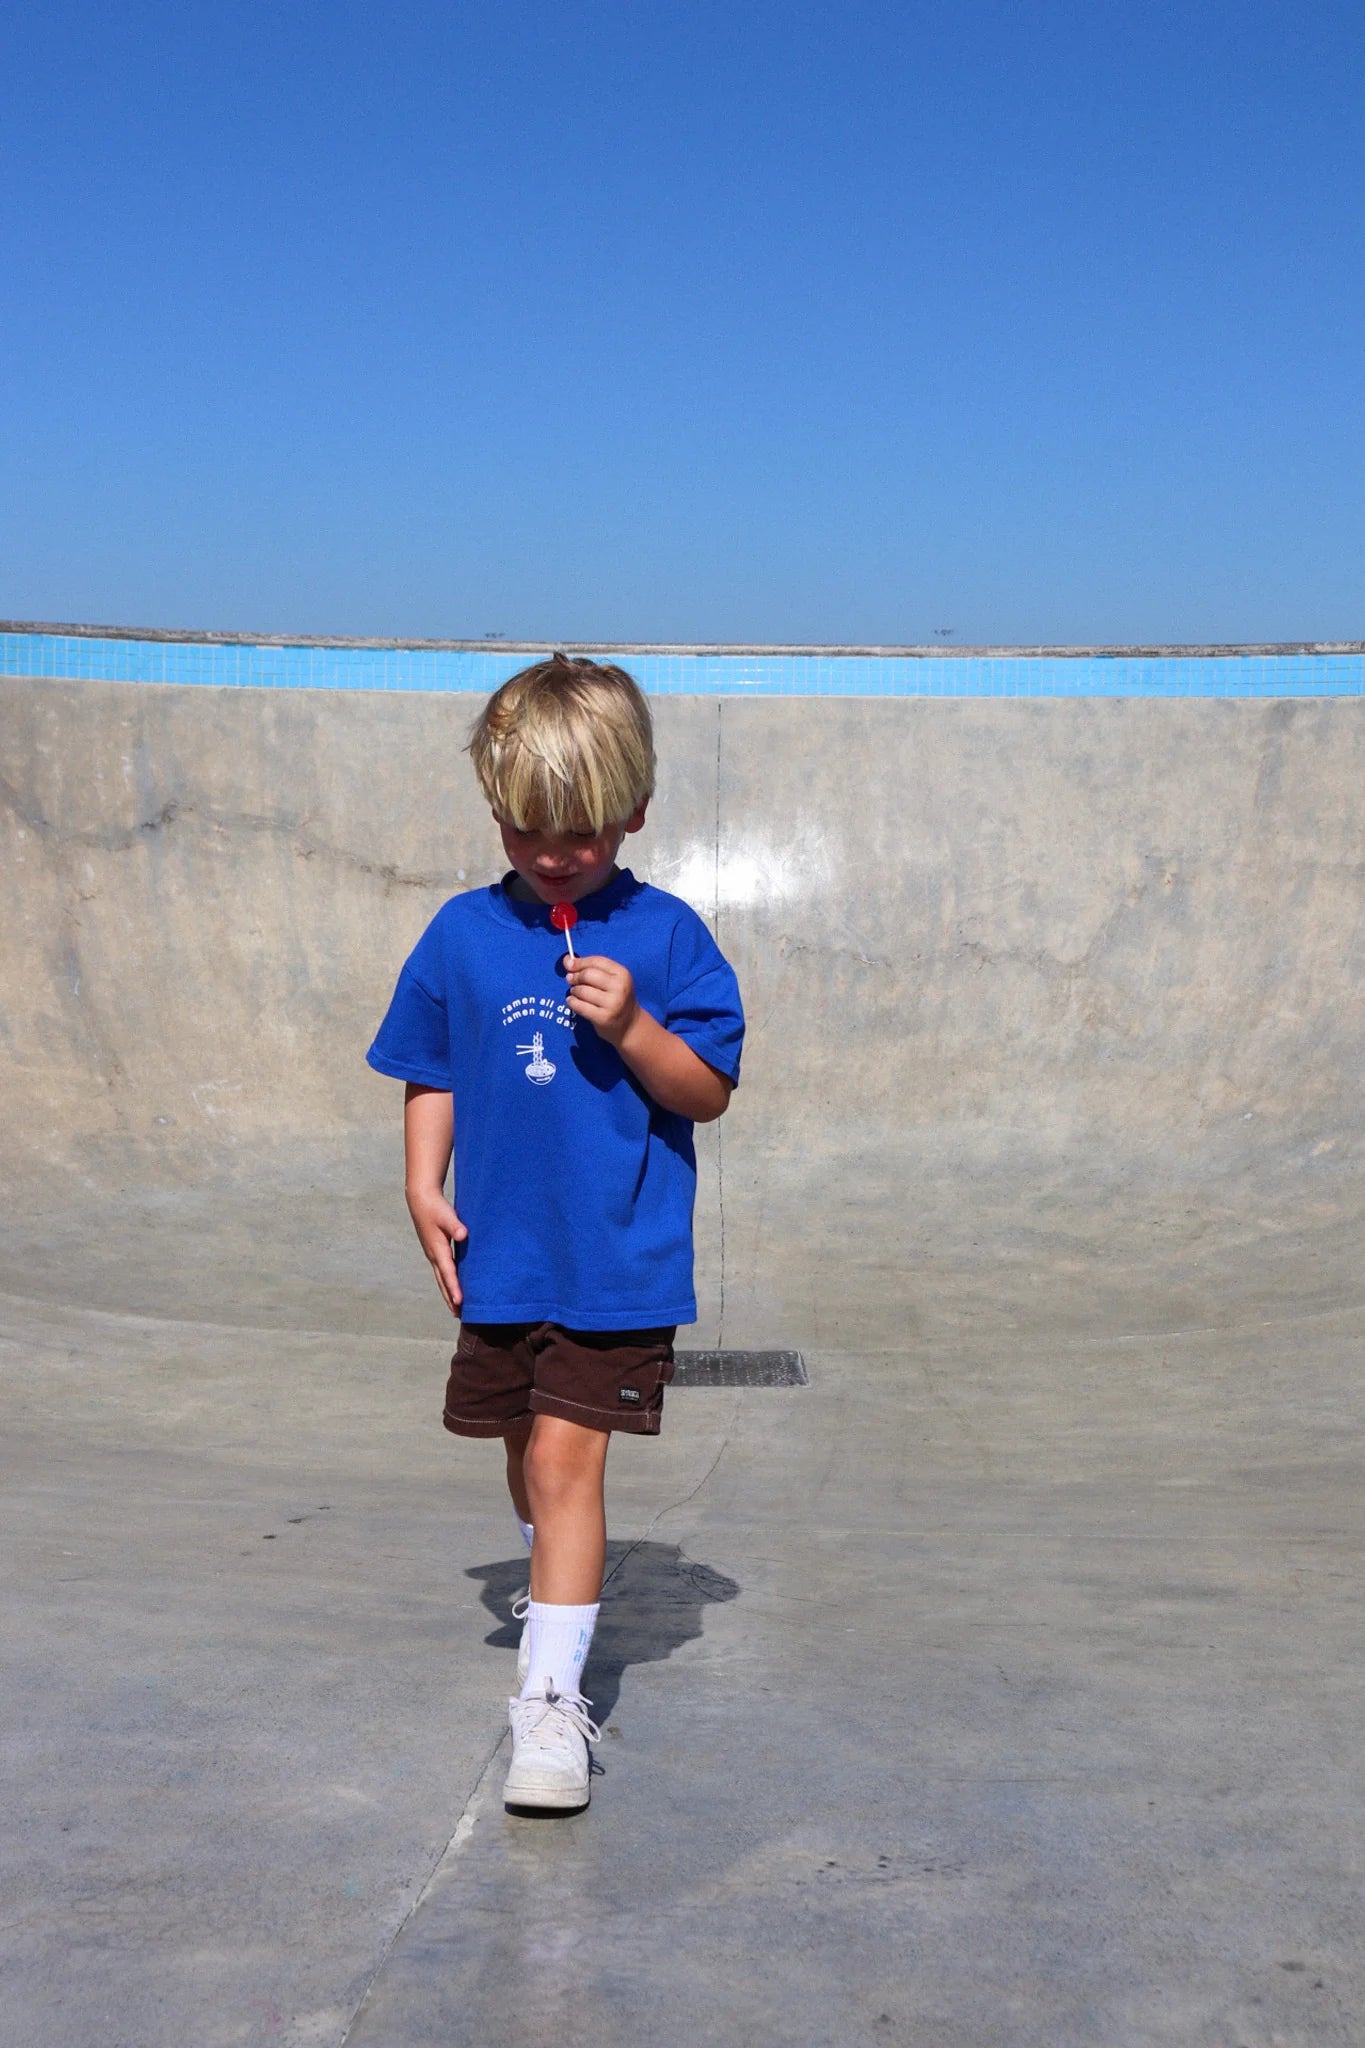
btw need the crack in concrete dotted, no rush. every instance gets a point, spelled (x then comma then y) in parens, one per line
(1166, 874)
(464, 1829)
(474, 1805)
(87, 1025)
(37, 1306)
(180, 810)
(941, 1400)
(674, 1505)
(109, 839)
(790, 949)
(1052, 966)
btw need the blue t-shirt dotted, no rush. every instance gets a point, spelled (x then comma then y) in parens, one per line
(576, 1187)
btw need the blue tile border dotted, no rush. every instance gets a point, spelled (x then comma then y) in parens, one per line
(126, 658)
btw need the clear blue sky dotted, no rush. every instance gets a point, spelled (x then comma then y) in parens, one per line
(1042, 322)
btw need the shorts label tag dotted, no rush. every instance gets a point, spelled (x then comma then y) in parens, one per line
(629, 1394)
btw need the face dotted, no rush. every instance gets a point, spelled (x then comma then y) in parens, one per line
(563, 867)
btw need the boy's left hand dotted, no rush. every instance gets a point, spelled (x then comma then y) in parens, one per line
(603, 991)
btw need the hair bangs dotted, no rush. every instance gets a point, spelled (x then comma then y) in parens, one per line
(565, 746)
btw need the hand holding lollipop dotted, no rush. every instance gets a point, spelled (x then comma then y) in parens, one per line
(601, 990)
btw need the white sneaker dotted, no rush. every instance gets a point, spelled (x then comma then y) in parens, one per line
(521, 1609)
(550, 1736)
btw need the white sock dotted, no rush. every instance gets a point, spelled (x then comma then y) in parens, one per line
(560, 1637)
(526, 1528)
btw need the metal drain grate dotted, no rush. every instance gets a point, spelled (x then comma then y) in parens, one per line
(739, 1369)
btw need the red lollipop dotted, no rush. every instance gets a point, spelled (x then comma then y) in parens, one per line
(564, 917)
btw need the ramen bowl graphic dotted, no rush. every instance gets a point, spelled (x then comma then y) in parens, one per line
(540, 1070)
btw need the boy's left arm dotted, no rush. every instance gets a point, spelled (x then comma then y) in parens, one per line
(603, 991)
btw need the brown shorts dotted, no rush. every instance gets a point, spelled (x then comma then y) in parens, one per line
(605, 1379)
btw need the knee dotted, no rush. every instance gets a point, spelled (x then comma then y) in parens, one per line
(556, 1465)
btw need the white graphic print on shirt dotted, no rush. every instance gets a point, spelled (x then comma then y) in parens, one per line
(540, 1069)
(539, 1010)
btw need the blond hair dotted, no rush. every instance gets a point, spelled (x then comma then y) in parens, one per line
(566, 745)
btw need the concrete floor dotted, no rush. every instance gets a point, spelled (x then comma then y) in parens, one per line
(1003, 1698)
(1000, 1688)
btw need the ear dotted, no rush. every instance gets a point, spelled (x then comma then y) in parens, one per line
(637, 817)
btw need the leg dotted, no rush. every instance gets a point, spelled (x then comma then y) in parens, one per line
(515, 1440)
(564, 1469)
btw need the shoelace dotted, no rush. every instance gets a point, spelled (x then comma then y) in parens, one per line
(572, 1706)
(521, 1606)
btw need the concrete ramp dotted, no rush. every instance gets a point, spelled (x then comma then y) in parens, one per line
(1056, 1009)
(999, 1688)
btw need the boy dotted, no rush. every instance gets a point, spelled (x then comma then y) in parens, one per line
(566, 1082)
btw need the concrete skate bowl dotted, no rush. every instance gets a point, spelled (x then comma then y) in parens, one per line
(1055, 1007)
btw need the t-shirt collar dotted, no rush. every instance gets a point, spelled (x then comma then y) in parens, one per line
(594, 909)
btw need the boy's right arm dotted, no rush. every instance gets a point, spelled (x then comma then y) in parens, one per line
(428, 1140)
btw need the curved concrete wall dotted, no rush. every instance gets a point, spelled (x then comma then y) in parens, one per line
(1055, 1007)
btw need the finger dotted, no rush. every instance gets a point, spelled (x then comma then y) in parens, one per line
(442, 1283)
(594, 977)
(590, 1003)
(436, 1242)
(599, 974)
(447, 1279)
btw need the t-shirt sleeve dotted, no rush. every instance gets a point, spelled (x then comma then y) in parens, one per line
(413, 1042)
(704, 1007)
